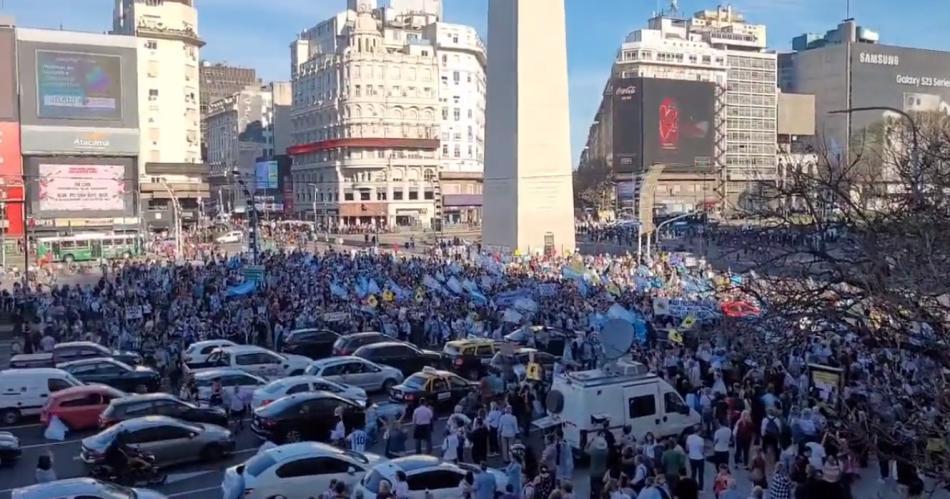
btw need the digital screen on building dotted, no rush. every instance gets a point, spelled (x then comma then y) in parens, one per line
(627, 121)
(678, 122)
(65, 186)
(78, 85)
(266, 175)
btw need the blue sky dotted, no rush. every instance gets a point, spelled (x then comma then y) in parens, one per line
(257, 33)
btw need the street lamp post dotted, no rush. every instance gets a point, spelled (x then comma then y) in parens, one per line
(253, 232)
(176, 209)
(315, 190)
(660, 226)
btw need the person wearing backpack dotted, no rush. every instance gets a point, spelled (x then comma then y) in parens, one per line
(771, 435)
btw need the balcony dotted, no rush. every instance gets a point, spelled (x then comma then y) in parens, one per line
(150, 29)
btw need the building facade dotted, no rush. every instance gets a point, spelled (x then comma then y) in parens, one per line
(716, 47)
(218, 81)
(241, 131)
(365, 120)
(170, 165)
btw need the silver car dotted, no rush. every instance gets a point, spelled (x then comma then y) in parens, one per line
(170, 440)
(83, 487)
(356, 371)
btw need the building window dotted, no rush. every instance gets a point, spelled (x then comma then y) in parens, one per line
(456, 77)
(457, 152)
(469, 114)
(428, 195)
(347, 196)
(397, 195)
(364, 195)
(153, 94)
(445, 113)
(445, 149)
(151, 44)
(380, 195)
(457, 114)
(413, 195)
(357, 90)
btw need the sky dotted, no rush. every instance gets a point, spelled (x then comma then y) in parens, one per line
(257, 33)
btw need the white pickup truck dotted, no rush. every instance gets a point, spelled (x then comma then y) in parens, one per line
(251, 359)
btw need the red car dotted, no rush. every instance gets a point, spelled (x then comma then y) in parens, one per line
(79, 407)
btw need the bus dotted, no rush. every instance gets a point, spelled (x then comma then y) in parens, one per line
(85, 247)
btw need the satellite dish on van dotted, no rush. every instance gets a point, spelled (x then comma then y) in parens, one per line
(616, 338)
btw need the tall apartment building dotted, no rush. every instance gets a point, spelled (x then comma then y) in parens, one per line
(365, 119)
(716, 47)
(242, 129)
(170, 164)
(218, 81)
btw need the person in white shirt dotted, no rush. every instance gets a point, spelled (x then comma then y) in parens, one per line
(696, 452)
(450, 447)
(493, 416)
(422, 427)
(508, 429)
(722, 438)
(357, 439)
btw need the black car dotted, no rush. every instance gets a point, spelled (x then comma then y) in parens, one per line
(305, 416)
(403, 356)
(159, 404)
(443, 389)
(348, 343)
(119, 375)
(313, 343)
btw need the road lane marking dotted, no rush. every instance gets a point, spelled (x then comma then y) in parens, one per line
(51, 443)
(31, 425)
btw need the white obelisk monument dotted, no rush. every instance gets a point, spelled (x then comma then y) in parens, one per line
(528, 203)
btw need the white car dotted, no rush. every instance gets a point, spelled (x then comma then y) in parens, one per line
(247, 383)
(199, 351)
(234, 236)
(303, 469)
(304, 383)
(356, 371)
(424, 473)
(255, 360)
(83, 487)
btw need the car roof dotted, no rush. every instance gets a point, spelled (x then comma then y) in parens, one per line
(362, 334)
(284, 452)
(302, 378)
(83, 389)
(146, 421)
(332, 361)
(40, 371)
(215, 372)
(218, 341)
(470, 341)
(91, 360)
(237, 349)
(313, 330)
(384, 344)
(413, 463)
(79, 344)
(59, 488)
(431, 373)
(316, 394)
(144, 397)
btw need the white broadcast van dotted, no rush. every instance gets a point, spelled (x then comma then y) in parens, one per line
(621, 394)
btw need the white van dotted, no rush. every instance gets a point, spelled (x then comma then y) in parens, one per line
(24, 392)
(625, 394)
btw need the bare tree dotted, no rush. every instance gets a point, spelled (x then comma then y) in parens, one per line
(860, 250)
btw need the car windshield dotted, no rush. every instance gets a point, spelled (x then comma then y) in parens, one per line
(275, 387)
(312, 370)
(416, 382)
(450, 349)
(277, 407)
(72, 380)
(103, 438)
(372, 481)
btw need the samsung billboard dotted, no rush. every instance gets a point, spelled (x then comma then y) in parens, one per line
(80, 187)
(662, 122)
(908, 79)
(77, 79)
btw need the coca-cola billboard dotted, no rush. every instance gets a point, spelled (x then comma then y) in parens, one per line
(662, 122)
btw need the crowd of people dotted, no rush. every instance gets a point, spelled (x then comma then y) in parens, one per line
(765, 418)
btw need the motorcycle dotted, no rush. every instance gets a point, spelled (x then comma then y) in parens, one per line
(142, 472)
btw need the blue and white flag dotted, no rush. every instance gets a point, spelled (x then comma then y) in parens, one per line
(454, 285)
(373, 288)
(617, 311)
(338, 291)
(431, 283)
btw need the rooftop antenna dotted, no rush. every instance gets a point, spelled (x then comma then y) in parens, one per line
(847, 9)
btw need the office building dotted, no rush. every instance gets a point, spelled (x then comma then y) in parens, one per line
(218, 81)
(849, 67)
(713, 62)
(170, 164)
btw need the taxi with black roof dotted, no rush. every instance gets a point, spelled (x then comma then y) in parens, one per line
(443, 389)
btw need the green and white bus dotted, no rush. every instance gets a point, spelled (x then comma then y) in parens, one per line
(85, 247)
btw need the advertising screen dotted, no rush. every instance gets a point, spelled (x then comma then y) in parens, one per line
(76, 85)
(266, 175)
(627, 119)
(81, 187)
(75, 186)
(7, 75)
(678, 122)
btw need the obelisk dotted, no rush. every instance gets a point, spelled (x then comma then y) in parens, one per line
(528, 203)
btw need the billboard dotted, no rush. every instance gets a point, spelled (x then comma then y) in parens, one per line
(69, 187)
(8, 107)
(69, 79)
(78, 86)
(627, 122)
(662, 122)
(80, 140)
(266, 175)
(908, 79)
(678, 122)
